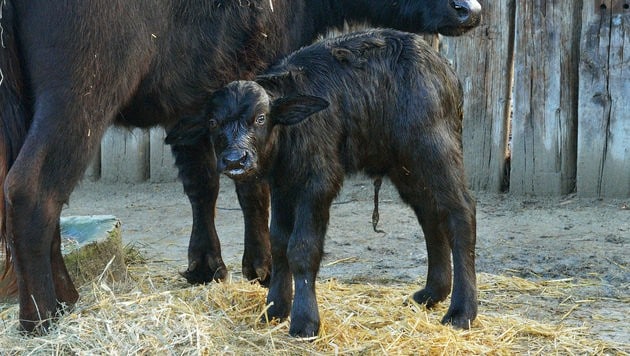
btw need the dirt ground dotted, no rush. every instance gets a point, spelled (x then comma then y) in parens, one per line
(584, 240)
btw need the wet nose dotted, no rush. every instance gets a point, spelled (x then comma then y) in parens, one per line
(234, 159)
(467, 10)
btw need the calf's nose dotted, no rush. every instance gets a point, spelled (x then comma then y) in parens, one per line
(234, 160)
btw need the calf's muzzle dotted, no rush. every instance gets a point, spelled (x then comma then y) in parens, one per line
(234, 163)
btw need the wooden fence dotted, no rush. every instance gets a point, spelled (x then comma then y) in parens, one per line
(547, 110)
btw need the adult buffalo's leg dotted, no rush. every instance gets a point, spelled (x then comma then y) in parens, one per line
(64, 288)
(253, 196)
(30, 229)
(197, 171)
(58, 148)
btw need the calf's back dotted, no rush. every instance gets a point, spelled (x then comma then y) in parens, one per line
(387, 90)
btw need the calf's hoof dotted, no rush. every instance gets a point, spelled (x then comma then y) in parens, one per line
(304, 328)
(460, 317)
(202, 273)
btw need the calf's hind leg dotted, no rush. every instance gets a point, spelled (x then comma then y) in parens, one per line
(446, 213)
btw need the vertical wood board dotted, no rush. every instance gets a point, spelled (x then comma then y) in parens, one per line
(544, 124)
(162, 161)
(603, 167)
(483, 62)
(125, 155)
(93, 171)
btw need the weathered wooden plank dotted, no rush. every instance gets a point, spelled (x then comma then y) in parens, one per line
(603, 167)
(125, 155)
(162, 162)
(93, 172)
(544, 125)
(483, 61)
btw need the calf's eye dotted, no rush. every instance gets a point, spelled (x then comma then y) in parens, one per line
(260, 119)
(213, 124)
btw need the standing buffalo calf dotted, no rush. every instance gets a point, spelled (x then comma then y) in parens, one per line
(395, 110)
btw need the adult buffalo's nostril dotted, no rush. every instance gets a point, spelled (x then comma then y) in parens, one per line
(462, 12)
(467, 10)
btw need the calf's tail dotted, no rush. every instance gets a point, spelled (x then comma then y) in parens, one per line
(375, 214)
(14, 122)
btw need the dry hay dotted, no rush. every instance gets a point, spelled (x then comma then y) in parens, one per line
(154, 312)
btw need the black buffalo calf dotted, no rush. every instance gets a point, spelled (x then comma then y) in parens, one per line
(383, 102)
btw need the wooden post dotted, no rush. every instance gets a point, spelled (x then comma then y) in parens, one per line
(125, 155)
(545, 97)
(483, 61)
(603, 167)
(162, 161)
(93, 172)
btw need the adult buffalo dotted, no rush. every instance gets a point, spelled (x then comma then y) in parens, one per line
(70, 69)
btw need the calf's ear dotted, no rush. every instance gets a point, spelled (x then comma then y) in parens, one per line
(294, 109)
(272, 82)
(187, 132)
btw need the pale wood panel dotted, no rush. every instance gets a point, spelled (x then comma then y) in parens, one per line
(544, 125)
(603, 167)
(162, 161)
(483, 62)
(93, 172)
(125, 155)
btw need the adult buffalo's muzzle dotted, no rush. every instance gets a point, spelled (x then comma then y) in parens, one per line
(464, 14)
(235, 164)
(468, 12)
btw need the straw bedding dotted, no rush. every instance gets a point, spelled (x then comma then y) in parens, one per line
(154, 312)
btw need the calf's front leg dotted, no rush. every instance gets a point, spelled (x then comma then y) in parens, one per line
(280, 290)
(304, 254)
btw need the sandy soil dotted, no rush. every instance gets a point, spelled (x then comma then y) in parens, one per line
(585, 240)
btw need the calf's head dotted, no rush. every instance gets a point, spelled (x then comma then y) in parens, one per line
(239, 121)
